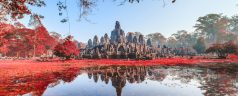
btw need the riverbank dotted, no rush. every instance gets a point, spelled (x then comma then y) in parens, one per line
(28, 67)
(15, 70)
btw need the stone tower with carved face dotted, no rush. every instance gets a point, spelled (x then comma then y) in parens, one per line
(118, 35)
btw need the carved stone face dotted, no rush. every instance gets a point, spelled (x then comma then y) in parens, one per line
(117, 26)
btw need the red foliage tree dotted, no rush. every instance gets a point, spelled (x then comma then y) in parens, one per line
(67, 49)
(5, 29)
(20, 41)
(16, 9)
(43, 41)
(222, 50)
(12, 39)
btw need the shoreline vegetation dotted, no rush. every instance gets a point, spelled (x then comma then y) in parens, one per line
(13, 71)
(28, 67)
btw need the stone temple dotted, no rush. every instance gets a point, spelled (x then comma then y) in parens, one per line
(119, 46)
(118, 35)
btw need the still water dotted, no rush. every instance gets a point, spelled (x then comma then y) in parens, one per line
(132, 81)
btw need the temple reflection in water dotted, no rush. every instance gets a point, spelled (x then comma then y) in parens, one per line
(118, 75)
(211, 81)
(215, 81)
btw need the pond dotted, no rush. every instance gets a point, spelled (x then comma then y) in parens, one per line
(130, 81)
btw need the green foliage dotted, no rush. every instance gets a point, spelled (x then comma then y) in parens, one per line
(206, 25)
(233, 26)
(200, 46)
(217, 28)
(157, 38)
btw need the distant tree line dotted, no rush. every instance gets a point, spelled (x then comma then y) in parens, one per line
(211, 29)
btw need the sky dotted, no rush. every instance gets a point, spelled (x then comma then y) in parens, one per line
(148, 16)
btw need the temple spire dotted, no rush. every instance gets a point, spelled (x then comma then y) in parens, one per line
(117, 26)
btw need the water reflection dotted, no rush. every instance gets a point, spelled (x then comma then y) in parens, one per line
(128, 81)
(118, 75)
(214, 81)
(35, 84)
